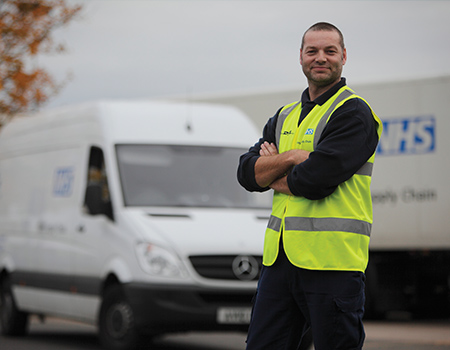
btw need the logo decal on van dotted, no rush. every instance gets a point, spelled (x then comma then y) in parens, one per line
(63, 182)
(416, 135)
(245, 267)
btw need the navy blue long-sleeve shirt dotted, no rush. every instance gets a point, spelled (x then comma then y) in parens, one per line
(348, 140)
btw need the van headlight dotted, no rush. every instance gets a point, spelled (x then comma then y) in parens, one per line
(159, 261)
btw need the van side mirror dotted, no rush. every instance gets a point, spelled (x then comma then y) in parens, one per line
(95, 203)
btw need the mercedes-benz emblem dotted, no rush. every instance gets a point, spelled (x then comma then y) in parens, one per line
(245, 267)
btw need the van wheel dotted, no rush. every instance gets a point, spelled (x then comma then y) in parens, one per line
(13, 321)
(117, 330)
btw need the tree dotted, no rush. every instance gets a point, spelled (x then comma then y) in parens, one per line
(25, 32)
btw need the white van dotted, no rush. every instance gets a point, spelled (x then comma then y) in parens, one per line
(129, 215)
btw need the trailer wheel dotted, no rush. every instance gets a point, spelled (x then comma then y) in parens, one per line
(13, 322)
(117, 330)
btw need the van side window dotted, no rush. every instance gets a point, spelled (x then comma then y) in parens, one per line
(97, 200)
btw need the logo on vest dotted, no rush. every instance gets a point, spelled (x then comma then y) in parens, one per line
(309, 131)
(287, 132)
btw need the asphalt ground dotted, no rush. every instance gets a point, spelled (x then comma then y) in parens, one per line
(64, 335)
(430, 335)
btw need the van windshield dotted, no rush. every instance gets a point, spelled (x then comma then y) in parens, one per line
(190, 176)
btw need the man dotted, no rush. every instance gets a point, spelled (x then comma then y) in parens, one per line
(317, 156)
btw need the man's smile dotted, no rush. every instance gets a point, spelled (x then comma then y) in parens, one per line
(320, 68)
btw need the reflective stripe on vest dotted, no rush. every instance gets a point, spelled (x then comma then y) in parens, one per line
(321, 224)
(366, 169)
(319, 129)
(280, 121)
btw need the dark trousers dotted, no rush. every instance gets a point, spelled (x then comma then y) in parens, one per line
(290, 300)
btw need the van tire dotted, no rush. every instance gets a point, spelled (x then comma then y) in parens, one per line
(13, 322)
(117, 330)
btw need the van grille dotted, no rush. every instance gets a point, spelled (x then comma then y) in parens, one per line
(228, 267)
(225, 299)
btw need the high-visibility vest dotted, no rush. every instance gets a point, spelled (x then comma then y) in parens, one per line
(332, 233)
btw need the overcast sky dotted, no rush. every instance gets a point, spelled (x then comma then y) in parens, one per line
(145, 48)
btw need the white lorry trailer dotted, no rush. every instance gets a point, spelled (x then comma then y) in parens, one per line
(409, 268)
(128, 215)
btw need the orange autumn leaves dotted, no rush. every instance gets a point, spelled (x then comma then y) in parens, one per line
(25, 32)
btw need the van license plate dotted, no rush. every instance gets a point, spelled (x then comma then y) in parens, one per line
(235, 315)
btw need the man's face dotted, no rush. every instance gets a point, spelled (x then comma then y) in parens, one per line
(322, 58)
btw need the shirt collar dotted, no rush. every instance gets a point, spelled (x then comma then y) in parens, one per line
(325, 96)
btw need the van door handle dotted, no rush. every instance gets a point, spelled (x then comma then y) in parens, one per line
(81, 228)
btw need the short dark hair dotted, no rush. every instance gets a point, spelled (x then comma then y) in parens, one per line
(326, 27)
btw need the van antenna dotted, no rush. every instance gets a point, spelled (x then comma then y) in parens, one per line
(189, 109)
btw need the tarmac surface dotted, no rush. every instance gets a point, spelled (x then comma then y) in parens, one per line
(431, 335)
(56, 334)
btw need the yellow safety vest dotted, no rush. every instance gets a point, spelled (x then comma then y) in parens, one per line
(332, 233)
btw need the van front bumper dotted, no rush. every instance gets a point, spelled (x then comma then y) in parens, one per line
(171, 308)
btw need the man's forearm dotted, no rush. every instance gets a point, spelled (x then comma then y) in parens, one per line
(281, 185)
(272, 165)
(270, 168)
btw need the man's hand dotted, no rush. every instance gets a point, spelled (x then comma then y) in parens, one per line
(272, 165)
(268, 149)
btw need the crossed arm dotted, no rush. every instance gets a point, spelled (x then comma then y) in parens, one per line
(272, 168)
